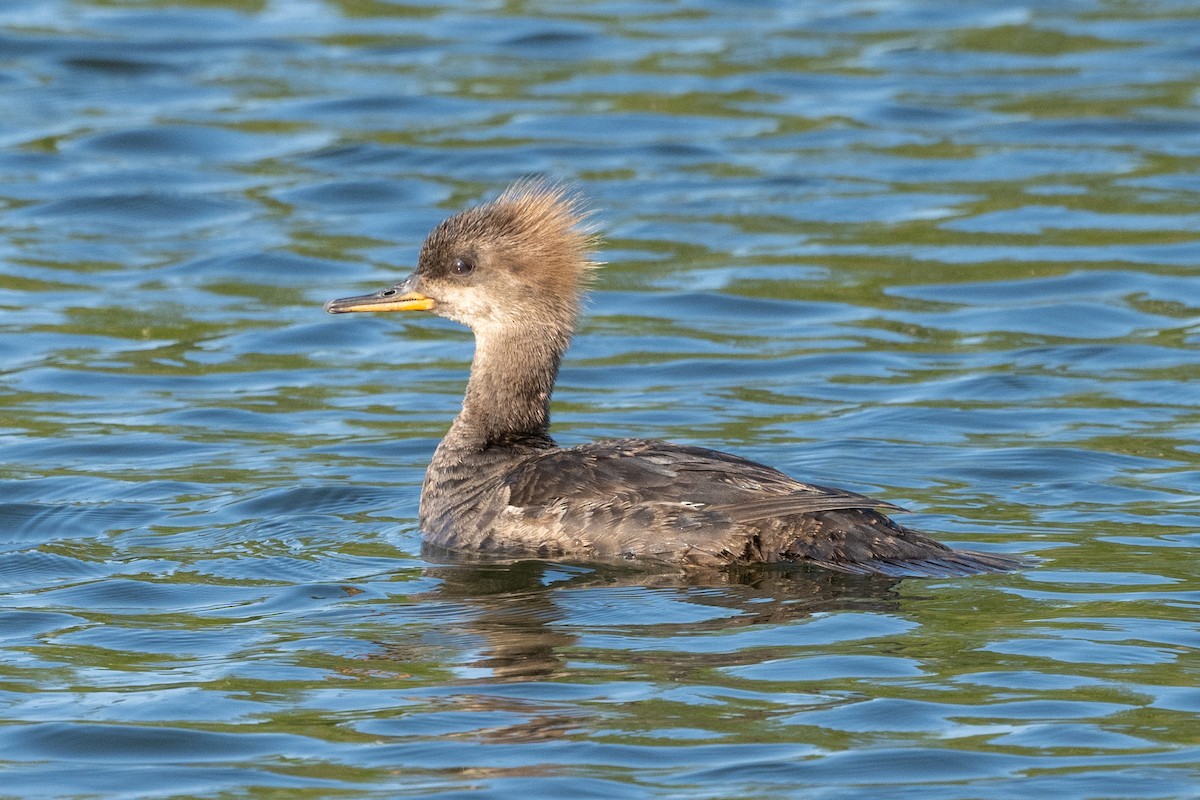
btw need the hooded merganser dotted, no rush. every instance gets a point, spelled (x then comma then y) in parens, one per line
(513, 271)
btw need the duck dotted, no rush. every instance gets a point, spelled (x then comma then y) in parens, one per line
(514, 270)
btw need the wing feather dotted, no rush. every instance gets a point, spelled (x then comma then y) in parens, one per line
(640, 471)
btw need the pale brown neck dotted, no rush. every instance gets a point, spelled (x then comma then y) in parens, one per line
(508, 394)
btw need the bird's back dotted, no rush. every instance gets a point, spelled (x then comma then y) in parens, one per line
(647, 499)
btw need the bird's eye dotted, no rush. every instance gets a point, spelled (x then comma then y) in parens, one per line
(462, 267)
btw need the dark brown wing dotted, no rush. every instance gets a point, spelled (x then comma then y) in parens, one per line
(650, 471)
(676, 502)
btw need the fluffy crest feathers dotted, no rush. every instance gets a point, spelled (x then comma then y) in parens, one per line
(538, 227)
(550, 217)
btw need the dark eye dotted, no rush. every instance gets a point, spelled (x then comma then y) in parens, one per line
(462, 267)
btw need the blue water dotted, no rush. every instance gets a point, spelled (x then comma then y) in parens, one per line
(941, 253)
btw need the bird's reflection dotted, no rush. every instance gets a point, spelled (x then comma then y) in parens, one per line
(527, 628)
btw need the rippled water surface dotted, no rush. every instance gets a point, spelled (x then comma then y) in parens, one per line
(941, 253)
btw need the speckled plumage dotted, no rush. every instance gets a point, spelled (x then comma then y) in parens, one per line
(513, 270)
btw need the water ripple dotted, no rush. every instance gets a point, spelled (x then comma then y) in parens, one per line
(941, 254)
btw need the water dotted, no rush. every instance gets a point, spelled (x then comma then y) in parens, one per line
(941, 253)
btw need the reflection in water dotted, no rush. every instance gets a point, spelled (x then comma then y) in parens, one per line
(515, 609)
(547, 636)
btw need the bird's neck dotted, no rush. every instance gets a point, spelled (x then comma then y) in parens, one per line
(508, 394)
